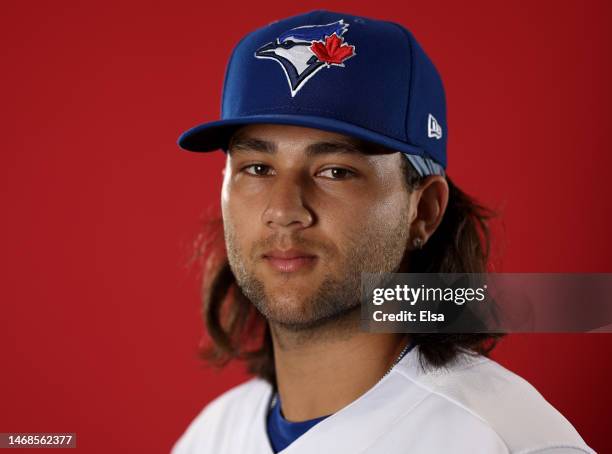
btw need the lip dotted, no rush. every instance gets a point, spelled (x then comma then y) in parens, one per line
(289, 260)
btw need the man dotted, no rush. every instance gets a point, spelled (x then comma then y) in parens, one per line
(335, 132)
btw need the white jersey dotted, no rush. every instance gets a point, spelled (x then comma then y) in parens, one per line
(473, 406)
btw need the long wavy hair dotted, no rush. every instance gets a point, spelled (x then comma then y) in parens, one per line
(236, 330)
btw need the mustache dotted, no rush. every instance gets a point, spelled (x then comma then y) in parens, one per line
(284, 242)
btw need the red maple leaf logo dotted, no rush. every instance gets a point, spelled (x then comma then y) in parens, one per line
(334, 51)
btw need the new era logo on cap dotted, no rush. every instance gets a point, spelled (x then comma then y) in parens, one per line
(434, 130)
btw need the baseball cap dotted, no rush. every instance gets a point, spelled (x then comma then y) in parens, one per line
(353, 75)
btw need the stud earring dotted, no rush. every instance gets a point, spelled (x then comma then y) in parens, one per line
(418, 243)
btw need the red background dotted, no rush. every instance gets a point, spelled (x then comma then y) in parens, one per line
(100, 316)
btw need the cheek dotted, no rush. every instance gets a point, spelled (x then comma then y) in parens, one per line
(367, 220)
(391, 208)
(241, 198)
(241, 220)
(237, 205)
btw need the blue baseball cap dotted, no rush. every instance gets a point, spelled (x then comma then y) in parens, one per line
(352, 75)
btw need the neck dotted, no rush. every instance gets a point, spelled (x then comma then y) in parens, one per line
(321, 371)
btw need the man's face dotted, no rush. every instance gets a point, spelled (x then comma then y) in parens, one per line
(305, 213)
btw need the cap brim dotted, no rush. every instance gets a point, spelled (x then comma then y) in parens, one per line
(215, 135)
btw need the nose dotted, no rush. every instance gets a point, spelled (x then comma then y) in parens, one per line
(286, 208)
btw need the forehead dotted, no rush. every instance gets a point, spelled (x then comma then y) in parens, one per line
(298, 137)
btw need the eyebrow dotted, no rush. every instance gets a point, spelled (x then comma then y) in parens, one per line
(252, 144)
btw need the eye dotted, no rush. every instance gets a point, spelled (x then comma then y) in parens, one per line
(337, 173)
(287, 44)
(259, 170)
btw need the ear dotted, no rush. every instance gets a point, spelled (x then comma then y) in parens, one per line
(429, 203)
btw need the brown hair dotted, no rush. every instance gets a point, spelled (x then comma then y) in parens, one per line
(236, 330)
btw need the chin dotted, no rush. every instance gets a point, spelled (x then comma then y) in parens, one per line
(285, 304)
(288, 307)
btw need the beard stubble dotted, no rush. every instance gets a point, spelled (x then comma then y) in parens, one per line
(377, 249)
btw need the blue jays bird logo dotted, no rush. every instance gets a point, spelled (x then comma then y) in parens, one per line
(304, 51)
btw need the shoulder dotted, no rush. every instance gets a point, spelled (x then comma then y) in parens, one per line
(480, 391)
(231, 411)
